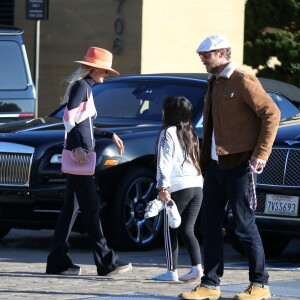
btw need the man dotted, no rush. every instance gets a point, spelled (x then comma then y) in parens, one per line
(240, 125)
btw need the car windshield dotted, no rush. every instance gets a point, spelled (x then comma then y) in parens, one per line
(287, 108)
(141, 99)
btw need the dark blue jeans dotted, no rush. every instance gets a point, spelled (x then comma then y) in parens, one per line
(222, 187)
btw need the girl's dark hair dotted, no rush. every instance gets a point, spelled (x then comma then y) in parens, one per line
(177, 111)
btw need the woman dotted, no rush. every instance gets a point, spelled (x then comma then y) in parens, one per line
(179, 179)
(81, 191)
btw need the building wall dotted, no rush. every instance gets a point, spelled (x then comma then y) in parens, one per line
(173, 29)
(155, 36)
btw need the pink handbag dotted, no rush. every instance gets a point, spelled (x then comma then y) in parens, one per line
(70, 166)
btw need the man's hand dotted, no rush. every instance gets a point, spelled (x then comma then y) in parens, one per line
(258, 164)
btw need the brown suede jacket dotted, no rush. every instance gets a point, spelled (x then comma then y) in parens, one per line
(243, 116)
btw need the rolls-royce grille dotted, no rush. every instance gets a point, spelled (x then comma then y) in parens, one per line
(15, 164)
(282, 169)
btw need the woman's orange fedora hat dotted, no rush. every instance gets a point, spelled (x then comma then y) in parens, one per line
(98, 58)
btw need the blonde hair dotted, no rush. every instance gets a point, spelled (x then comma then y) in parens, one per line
(80, 73)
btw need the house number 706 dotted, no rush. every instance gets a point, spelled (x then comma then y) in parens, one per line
(118, 28)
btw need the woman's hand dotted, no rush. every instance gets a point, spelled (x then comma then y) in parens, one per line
(164, 195)
(119, 143)
(80, 156)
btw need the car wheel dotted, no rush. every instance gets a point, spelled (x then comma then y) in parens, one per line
(129, 230)
(274, 245)
(4, 232)
(271, 247)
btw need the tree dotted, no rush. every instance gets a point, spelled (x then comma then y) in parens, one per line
(272, 30)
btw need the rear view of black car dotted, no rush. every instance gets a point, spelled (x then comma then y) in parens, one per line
(17, 91)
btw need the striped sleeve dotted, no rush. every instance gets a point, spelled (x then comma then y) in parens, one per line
(165, 150)
(77, 105)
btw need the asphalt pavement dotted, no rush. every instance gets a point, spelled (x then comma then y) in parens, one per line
(22, 272)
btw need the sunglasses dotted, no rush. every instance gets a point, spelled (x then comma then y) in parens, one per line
(103, 70)
(207, 53)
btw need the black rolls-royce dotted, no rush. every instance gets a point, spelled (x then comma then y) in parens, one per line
(32, 184)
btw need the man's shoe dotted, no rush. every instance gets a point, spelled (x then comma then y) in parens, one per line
(254, 292)
(173, 214)
(195, 273)
(201, 292)
(121, 269)
(153, 208)
(168, 276)
(72, 270)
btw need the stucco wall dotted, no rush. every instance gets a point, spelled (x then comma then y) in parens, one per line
(73, 26)
(156, 36)
(173, 29)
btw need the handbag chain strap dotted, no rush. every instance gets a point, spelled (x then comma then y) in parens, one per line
(89, 99)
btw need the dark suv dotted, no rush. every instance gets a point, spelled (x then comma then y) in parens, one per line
(17, 91)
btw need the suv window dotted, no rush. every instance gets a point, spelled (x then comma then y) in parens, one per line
(12, 72)
(17, 91)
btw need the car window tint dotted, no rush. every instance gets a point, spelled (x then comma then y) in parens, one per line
(12, 71)
(16, 106)
(287, 108)
(141, 99)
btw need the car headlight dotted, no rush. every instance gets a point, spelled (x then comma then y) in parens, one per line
(56, 159)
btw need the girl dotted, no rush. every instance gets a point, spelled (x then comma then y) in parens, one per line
(179, 179)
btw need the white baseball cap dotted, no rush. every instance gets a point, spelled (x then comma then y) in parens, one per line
(213, 42)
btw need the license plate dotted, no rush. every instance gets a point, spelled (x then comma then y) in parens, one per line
(282, 205)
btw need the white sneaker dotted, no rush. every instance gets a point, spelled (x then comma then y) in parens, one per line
(153, 208)
(195, 273)
(168, 276)
(121, 269)
(173, 214)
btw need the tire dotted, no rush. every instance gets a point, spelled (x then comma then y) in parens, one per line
(4, 232)
(273, 246)
(129, 230)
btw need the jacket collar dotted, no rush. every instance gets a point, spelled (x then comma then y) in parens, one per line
(227, 72)
(90, 80)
